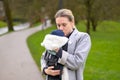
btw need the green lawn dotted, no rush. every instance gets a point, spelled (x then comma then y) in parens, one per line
(103, 62)
(2, 24)
(104, 59)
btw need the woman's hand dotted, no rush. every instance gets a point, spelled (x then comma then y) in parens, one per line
(50, 71)
(56, 50)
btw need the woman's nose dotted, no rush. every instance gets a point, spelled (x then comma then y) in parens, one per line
(61, 28)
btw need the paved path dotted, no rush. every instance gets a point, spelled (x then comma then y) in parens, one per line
(16, 62)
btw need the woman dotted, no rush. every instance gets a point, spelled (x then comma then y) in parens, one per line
(75, 52)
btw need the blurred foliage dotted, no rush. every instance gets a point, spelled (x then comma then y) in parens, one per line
(36, 9)
(92, 11)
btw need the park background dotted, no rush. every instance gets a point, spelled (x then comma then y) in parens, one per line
(99, 18)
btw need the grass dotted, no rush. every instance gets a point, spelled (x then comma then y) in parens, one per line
(103, 61)
(2, 24)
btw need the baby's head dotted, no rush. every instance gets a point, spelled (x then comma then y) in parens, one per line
(54, 40)
(57, 33)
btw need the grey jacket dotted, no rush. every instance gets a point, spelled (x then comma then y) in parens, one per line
(74, 59)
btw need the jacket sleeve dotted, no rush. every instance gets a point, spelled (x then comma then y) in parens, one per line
(43, 62)
(75, 60)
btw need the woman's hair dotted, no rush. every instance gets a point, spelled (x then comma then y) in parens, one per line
(65, 13)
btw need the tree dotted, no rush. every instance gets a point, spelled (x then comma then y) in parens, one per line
(96, 12)
(93, 13)
(104, 10)
(8, 15)
(88, 4)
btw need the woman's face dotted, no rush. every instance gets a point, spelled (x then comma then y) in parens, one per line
(65, 25)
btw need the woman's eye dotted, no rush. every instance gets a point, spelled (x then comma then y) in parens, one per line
(64, 25)
(58, 25)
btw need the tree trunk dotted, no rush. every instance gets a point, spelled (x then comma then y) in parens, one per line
(60, 4)
(8, 15)
(94, 24)
(88, 6)
(88, 26)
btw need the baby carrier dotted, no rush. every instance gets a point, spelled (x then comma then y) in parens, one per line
(52, 60)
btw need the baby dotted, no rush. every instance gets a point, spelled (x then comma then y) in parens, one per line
(53, 41)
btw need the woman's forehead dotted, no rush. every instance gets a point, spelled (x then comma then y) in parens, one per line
(62, 19)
